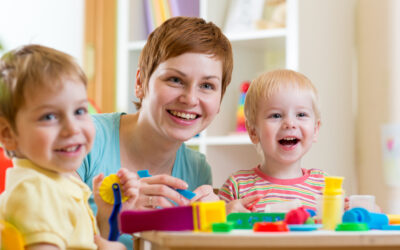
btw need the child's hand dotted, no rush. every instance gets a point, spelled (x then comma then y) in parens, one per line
(104, 244)
(346, 203)
(242, 205)
(204, 193)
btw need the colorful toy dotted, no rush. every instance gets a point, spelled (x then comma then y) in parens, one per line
(247, 220)
(4, 164)
(362, 215)
(10, 237)
(198, 217)
(394, 219)
(240, 119)
(332, 205)
(297, 216)
(106, 189)
(279, 226)
(185, 193)
(110, 192)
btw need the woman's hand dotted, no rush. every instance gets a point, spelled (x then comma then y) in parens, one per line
(205, 193)
(129, 186)
(159, 191)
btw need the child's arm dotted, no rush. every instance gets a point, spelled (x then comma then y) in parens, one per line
(104, 244)
(42, 246)
(244, 205)
(130, 188)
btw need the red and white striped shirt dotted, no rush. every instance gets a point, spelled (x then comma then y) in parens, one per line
(245, 183)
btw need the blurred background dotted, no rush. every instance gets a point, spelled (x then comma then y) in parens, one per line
(350, 49)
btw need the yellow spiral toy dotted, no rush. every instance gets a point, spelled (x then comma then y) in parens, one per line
(106, 190)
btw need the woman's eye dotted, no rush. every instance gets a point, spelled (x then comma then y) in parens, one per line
(81, 111)
(174, 80)
(208, 86)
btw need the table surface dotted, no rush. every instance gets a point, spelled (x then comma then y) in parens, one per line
(247, 239)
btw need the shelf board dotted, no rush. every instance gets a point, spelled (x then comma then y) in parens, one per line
(258, 39)
(221, 140)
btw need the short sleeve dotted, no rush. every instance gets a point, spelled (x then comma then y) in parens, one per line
(229, 190)
(45, 221)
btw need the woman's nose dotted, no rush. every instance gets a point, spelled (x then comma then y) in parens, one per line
(190, 96)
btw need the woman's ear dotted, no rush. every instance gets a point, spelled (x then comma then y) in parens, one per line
(139, 92)
(252, 133)
(7, 135)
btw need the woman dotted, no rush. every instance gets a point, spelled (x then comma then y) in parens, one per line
(183, 73)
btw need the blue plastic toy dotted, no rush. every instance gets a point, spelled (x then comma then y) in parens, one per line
(362, 215)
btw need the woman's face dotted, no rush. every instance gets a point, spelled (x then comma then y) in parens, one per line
(183, 95)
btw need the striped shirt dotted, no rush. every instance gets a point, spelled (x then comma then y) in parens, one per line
(245, 183)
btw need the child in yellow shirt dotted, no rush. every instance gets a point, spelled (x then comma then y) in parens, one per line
(47, 131)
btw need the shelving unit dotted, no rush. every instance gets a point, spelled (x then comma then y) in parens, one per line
(254, 53)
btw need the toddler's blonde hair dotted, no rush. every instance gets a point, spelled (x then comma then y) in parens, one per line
(265, 85)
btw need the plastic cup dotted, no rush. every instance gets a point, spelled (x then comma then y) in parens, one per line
(364, 201)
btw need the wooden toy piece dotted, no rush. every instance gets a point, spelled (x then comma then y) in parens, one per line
(247, 220)
(106, 190)
(199, 217)
(10, 237)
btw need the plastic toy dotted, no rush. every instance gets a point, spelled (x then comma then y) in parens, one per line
(4, 164)
(352, 226)
(222, 227)
(279, 226)
(304, 227)
(297, 216)
(185, 193)
(394, 219)
(198, 217)
(247, 220)
(106, 189)
(240, 119)
(110, 192)
(10, 237)
(332, 204)
(362, 215)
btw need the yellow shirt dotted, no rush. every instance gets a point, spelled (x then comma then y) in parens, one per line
(48, 207)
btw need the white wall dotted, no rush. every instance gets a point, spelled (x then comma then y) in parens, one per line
(55, 23)
(378, 39)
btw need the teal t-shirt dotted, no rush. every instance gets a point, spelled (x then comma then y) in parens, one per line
(190, 166)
